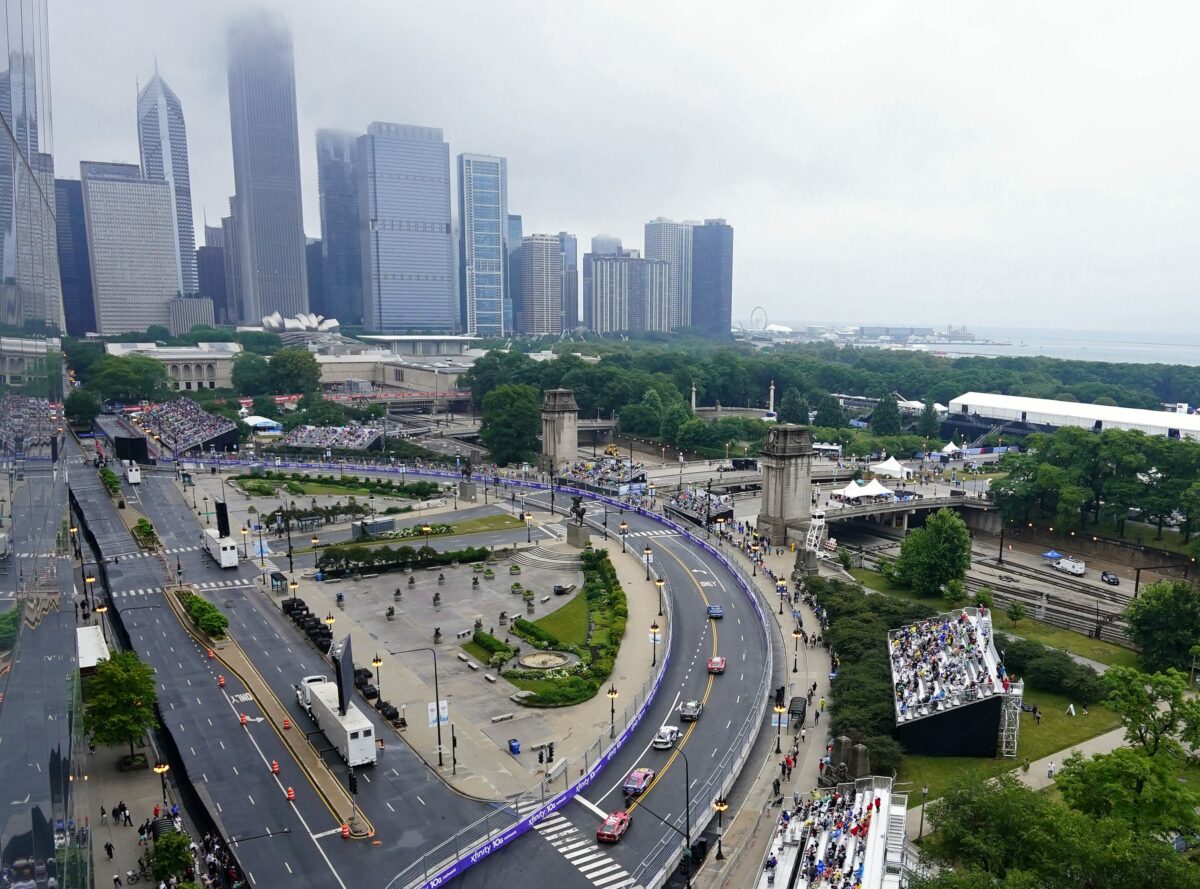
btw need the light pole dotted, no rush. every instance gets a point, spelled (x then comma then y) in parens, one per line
(924, 794)
(292, 585)
(720, 530)
(606, 521)
(315, 540)
(658, 582)
(612, 711)
(779, 711)
(781, 591)
(377, 662)
(796, 650)
(245, 548)
(178, 572)
(100, 611)
(287, 526)
(88, 580)
(528, 527)
(207, 520)
(1000, 560)
(654, 644)
(262, 550)
(754, 561)
(624, 529)
(161, 768)
(720, 804)
(648, 553)
(437, 704)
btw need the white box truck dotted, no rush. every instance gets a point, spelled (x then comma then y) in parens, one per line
(4, 548)
(1074, 567)
(133, 473)
(353, 735)
(223, 550)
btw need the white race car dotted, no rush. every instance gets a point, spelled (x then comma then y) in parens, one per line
(666, 738)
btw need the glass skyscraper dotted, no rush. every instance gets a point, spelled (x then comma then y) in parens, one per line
(408, 254)
(73, 264)
(341, 239)
(672, 242)
(162, 137)
(483, 218)
(712, 277)
(512, 268)
(569, 245)
(266, 168)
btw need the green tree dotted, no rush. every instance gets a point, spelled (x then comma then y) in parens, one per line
(928, 425)
(1141, 790)
(128, 379)
(932, 556)
(885, 420)
(953, 593)
(1165, 622)
(672, 418)
(793, 408)
(829, 413)
(1015, 611)
(1153, 708)
(265, 406)
(294, 370)
(120, 701)
(511, 420)
(81, 407)
(172, 855)
(251, 374)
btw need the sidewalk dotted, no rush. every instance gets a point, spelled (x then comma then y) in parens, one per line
(485, 769)
(749, 832)
(141, 791)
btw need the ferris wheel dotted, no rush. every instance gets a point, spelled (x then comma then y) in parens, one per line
(758, 319)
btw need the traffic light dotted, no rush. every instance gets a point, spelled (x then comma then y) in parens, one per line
(353, 783)
(541, 757)
(779, 693)
(550, 752)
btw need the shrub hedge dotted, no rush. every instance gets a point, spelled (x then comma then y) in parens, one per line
(342, 560)
(205, 614)
(531, 632)
(1049, 669)
(491, 644)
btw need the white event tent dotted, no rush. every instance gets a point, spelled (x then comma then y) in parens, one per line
(892, 468)
(854, 490)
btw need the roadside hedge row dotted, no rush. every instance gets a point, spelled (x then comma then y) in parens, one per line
(531, 632)
(205, 614)
(342, 560)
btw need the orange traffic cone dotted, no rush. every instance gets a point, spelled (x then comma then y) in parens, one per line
(220, 682)
(287, 723)
(345, 831)
(291, 794)
(274, 767)
(244, 719)
(211, 654)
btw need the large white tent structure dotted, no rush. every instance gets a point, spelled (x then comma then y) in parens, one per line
(892, 468)
(857, 490)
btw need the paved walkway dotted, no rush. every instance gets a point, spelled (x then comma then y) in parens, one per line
(141, 791)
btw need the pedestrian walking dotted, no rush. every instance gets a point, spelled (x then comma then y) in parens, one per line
(92, 746)
(108, 849)
(816, 716)
(803, 734)
(782, 769)
(125, 812)
(156, 808)
(117, 884)
(822, 703)
(1050, 770)
(103, 816)
(775, 787)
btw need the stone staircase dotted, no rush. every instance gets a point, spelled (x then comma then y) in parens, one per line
(541, 557)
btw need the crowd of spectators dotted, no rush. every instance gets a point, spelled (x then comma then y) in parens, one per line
(604, 472)
(182, 424)
(837, 825)
(944, 661)
(26, 423)
(699, 502)
(219, 869)
(343, 438)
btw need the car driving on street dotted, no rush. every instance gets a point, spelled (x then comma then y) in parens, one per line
(666, 738)
(614, 827)
(690, 711)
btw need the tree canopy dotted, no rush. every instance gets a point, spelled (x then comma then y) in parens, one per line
(120, 700)
(934, 555)
(511, 421)
(1164, 622)
(885, 420)
(81, 407)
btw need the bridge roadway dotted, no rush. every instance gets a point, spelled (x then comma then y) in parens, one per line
(36, 751)
(411, 809)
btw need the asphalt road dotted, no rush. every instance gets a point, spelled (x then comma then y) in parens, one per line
(35, 718)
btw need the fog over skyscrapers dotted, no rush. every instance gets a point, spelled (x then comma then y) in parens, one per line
(341, 241)
(266, 168)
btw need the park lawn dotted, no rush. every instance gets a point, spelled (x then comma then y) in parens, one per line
(1058, 732)
(569, 624)
(537, 686)
(1033, 630)
(477, 651)
(480, 524)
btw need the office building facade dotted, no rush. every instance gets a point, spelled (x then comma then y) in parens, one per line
(482, 220)
(315, 262)
(210, 279)
(514, 232)
(712, 278)
(188, 312)
(626, 293)
(407, 251)
(541, 285)
(131, 246)
(341, 239)
(266, 168)
(162, 138)
(671, 242)
(568, 245)
(74, 268)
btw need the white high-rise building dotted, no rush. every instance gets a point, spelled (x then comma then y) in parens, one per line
(131, 246)
(541, 285)
(671, 242)
(162, 137)
(482, 220)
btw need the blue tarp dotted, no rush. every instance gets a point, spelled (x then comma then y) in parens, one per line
(1052, 554)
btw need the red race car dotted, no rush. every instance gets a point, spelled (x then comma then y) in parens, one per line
(614, 827)
(716, 665)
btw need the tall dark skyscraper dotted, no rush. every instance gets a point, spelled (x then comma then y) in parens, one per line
(233, 263)
(210, 274)
(569, 245)
(73, 265)
(162, 138)
(316, 278)
(712, 277)
(512, 281)
(341, 239)
(266, 168)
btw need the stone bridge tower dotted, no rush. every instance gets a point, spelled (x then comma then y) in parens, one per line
(560, 428)
(787, 484)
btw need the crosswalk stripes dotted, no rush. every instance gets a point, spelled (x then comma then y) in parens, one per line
(580, 850)
(213, 585)
(658, 532)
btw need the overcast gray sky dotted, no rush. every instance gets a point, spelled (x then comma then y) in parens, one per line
(1008, 163)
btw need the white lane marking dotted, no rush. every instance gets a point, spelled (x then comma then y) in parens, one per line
(421, 801)
(621, 781)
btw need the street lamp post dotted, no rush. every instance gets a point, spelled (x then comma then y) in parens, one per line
(606, 521)
(161, 768)
(101, 609)
(1000, 560)
(292, 586)
(720, 804)
(720, 530)
(528, 527)
(207, 520)
(287, 526)
(624, 529)
(779, 711)
(245, 548)
(796, 650)
(781, 592)
(612, 711)
(88, 580)
(754, 560)
(654, 644)
(648, 553)
(262, 550)
(377, 662)
(437, 704)
(924, 794)
(658, 582)
(178, 572)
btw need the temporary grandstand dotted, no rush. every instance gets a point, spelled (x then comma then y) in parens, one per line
(700, 506)
(613, 476)
(182, 425)
(849, 835)
(27, 424)
(975, 415)
(952, 695)
(334, 438)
